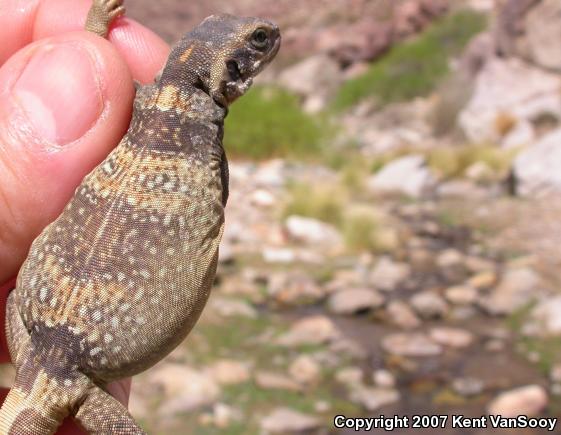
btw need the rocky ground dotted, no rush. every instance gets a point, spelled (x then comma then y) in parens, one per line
(415, 275)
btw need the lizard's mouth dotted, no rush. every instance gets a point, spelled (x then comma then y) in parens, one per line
(238, 82)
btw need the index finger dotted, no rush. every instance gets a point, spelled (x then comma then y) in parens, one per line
(25, 21)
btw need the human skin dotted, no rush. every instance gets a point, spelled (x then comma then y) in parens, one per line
(65, 102)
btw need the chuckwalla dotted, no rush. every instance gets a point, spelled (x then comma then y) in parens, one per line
(120, 277)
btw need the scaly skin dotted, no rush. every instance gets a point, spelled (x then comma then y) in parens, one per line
(122, 275)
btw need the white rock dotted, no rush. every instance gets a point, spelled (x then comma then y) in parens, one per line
(312, 231)
(373, 398)
(453, 337)
(546, 316)
(536, 169)
(529, 400)
(461, 295)
(230, 307)
(276, 381)
(354, 300)
(407, 175)
(349, 376)
(521, 135)
(288, 420)
(311, 330)
(401, 315)
(279, 255)
(429, 304)
(543, 31)
(229, 372)
(517, 287)
(383, 378)
(387, 275)
(508, 89)
(262, 198)
(413, 344)
(305, 370)
(315, 78)
(185, 388)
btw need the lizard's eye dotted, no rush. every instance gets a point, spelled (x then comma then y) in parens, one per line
(259, 39)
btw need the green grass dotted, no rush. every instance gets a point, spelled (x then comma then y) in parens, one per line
(315, 201)
(268, 122)
(414, 68)
(451, 162)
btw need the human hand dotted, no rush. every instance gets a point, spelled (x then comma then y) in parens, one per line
(65, 102)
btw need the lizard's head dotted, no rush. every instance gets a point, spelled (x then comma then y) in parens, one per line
(230, 51)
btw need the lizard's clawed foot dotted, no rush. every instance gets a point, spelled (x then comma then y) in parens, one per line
(101, 15)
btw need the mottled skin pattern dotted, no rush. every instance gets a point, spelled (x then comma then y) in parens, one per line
(120, 278)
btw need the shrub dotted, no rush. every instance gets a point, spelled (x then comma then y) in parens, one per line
(268, 122)
(414, 68)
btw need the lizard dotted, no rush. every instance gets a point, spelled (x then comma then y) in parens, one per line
(118, 280)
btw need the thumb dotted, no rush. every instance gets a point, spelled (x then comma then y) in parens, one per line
(65, 102)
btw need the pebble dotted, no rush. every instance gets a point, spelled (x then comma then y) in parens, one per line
(429, 304)
(311, 330)
(354, 300)
(411, 344)
(283, 419)
(529, 400)
(400, 314)
(461, 295)
(453, 337)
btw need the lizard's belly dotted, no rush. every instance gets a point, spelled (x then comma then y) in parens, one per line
(119, 285)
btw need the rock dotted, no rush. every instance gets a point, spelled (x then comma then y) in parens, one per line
(283, 420)
(468, 387)
(223, 415)
(349, 376)
(270, 174)
(373, 398)
(401, 315)
(453, 337)
(279, 255)
(185, 388)
(313, 231)
(461, 295)
(413, 16)
(508, 91)
(521, 135)
(543, 31)
(517, 287)
(410, 344)
(354, 300)
(529, 400)
(311, 330)
(429, 304)
(229, 307)
(545, 317)
(387, 275)
(305, 370)
(315, 79)
(262, 198)
(480, 172)
(529, 29)
(536, 169)
(483, 280)
(229, 372)
(276, 381)
(294, 288)
(407, 176)
(383, 378)
(451, 266)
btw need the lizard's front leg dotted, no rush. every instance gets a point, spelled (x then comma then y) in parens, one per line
(101, 15)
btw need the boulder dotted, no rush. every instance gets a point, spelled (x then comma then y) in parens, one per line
(508, 92)
(407, 175)
(536, 170)
(529, 400)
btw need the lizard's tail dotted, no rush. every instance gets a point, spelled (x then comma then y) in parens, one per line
(37, 407)
(37, 403)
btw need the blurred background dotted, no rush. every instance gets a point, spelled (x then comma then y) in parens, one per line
(392, 235)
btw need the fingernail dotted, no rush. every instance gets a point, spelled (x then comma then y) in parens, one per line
(60, 93)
